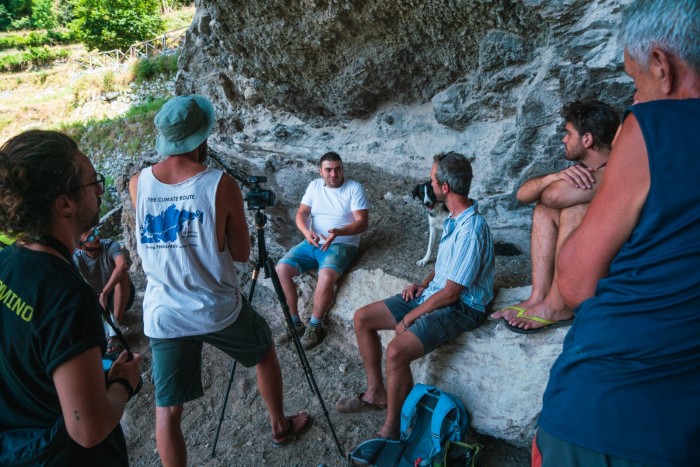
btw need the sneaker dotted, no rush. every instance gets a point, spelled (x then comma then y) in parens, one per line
(312, 337)
(286, 336)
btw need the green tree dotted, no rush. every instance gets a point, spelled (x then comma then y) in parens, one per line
(65, 12)
(5, 18)
(115, 24)
(43, 16)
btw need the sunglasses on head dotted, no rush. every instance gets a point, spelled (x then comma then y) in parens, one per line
(90, 238)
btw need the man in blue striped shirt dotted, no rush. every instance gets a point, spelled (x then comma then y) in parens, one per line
(450, 301)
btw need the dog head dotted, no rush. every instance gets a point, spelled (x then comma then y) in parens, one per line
(424, 192)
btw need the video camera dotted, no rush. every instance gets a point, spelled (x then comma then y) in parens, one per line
(257, 198)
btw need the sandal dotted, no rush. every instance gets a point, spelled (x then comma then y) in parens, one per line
(114, 348)
(356, 404)
(283, 439)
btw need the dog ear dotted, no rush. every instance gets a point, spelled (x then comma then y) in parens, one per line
(416, 191)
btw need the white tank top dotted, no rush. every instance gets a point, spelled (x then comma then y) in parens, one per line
(192, 287)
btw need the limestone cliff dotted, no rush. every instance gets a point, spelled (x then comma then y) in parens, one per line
(392, 83)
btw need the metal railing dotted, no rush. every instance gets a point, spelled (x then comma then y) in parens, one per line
(167, 43)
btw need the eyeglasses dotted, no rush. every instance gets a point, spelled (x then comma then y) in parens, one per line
(99, 181)
(93, 235)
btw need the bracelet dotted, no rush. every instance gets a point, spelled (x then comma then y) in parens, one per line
(124, 382)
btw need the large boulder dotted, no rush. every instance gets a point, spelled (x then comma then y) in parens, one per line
(499, 375)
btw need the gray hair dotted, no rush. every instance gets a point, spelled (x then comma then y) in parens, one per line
(455, 170)
(672, 25)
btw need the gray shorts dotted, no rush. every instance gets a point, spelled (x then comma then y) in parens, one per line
(440, 326)
(177, 362)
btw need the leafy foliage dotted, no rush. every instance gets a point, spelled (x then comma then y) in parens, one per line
(115, 24)
(149, 68)
(35, 39)
(43, 16)
(34, 57)
(27, 14)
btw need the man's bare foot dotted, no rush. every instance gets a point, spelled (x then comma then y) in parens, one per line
(543, 312)
(394, 435)
(296, 424)
(511, 311)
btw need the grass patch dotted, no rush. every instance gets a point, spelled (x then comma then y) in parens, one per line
(21, 41)
(34, 57)
(177, 19)
(148, 69)
(128, 136)
(151, 107)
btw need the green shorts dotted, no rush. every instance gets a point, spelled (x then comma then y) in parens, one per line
(177, 362)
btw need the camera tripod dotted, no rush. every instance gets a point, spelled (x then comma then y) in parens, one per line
(268, 266)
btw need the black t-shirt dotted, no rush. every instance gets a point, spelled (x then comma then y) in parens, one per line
(48, 315)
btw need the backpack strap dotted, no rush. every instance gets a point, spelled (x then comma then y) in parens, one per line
(408, 409)
(447, 404)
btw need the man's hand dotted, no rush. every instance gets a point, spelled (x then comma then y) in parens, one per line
(402, 326)
(578, 176)
(128, 369)
(332, 233)
(312, 238)
(103, 300)
(412, 291)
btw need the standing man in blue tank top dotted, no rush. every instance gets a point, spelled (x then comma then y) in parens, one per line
(191, 227)
(626, 388)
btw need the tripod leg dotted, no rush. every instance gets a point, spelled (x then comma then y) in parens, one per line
(270, 269)
(223, 409)
(256, 272)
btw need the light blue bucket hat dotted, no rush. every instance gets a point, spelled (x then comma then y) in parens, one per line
(183, 123)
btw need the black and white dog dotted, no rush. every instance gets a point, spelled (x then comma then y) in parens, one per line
(437, 213)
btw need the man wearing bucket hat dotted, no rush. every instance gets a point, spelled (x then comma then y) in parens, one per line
(190, 229)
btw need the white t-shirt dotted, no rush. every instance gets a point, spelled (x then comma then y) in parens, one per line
(331, 208)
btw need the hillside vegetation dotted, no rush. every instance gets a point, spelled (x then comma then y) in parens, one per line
(108, 111)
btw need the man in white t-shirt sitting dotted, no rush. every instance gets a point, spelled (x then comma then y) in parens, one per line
(332, 215)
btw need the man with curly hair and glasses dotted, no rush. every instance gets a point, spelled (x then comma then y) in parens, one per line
(55, 406)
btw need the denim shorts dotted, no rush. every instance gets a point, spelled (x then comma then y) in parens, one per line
(177, 363)
(440, 326)
(306, 257)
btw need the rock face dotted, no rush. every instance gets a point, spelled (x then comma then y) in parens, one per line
(392, 83)
(388, 85)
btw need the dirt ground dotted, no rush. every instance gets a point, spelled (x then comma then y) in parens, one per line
(245, 436)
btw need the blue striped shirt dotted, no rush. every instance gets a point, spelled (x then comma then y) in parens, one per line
(465, 256)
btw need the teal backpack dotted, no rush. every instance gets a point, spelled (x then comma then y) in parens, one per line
(429, 418)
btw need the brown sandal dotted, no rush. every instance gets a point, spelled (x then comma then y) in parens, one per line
(356, 404)
(282, 439)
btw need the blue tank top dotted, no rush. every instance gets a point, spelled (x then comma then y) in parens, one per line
(628, 380)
